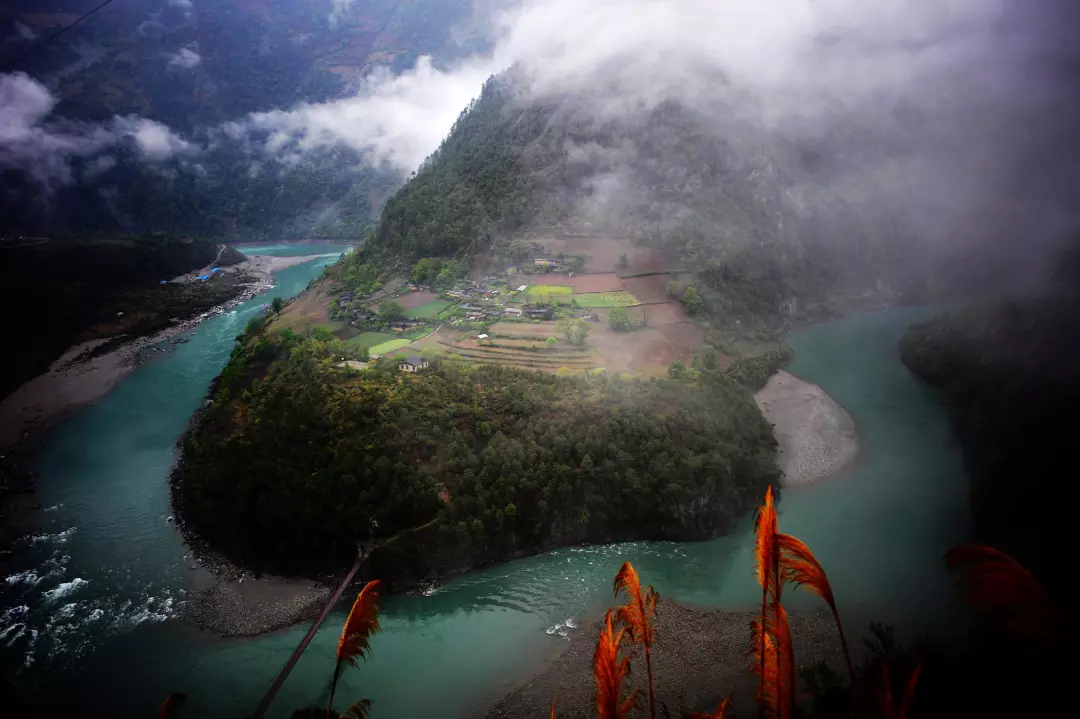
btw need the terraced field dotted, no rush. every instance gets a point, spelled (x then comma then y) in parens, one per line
(371, 339)
(427, 311)
(620, 298)
(386, 347)
(536, 290)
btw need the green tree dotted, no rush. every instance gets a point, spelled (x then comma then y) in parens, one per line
(562, 372)
(551, 342)
(323, 334)
(708, 357)
(677, 370)
(618, 319)
(692, 301)
(622, 260)
(389, 310)
(579, 331)
(672, 289)
(277, 305)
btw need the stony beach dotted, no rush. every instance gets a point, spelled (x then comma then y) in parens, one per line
(698, 658)
(817, 436)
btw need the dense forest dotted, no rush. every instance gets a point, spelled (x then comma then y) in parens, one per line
(235, 58)
(59, 290)
(1010, 376)
(296, 459)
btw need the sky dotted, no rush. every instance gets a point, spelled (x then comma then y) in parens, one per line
(975, 75)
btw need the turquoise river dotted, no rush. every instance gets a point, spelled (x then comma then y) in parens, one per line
(91, 611)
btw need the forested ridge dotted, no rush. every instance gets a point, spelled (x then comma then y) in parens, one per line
(754, 213)
(464, 464)
(1009, 373)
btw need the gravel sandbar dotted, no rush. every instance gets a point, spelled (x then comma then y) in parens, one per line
(817, 436)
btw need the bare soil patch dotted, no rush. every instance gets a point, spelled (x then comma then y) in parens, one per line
(644, 351)
(306, 311)
(685, 335)
(603, 282)
(603, 252)
(436, 339)
(665, 313)
(523, 329)
(651, 288)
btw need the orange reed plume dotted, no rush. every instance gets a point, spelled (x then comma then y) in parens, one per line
(610, 673)
(635, 616)
(767, 567)
(766, 551)
(720, 713)
(1003, 591)
(765, 665)
(886, 707)
(363, 621)
(552, 706)
(801, 568)
(170, 703)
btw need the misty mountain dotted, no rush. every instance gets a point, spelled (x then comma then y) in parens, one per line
(192, 68)
(759, 214)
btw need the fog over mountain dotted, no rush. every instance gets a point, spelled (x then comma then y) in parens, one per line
(953, 111)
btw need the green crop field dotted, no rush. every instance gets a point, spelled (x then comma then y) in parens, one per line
(386, 347)
(549, 290)
(620, 298)
(370, 339)
(428, 311)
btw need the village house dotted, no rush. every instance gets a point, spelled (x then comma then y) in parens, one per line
(547, 262)
(512, 312)
(413, 363)
(539, 313)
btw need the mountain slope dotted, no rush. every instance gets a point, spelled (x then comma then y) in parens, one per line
(758, 213)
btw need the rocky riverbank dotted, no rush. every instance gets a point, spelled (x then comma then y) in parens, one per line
(816, 435)
(698, 658)
(81, 376)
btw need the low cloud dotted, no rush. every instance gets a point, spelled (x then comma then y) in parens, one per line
(44, 147)
(155, 141)
(182, 4)
(338, 10)
(394, 120)
(183, 58)
(22, 32)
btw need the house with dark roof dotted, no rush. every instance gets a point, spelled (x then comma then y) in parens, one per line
(412, 363)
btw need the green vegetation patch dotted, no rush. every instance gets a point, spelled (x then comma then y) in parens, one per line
(294, 460)
(620, 298)
(388, 347)
(428, 311)
(370, 339)
(550, 290)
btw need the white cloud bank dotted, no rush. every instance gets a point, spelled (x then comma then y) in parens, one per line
(183, 58)
(45, 148)
(771, 60)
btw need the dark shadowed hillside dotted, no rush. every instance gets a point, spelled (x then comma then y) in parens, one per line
(193, 68)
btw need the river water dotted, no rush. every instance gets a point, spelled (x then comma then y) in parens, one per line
(90, 613)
